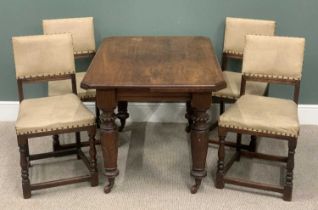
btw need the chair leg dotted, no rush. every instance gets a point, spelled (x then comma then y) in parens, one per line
(222, 107)
(253, 144)
(28, 154)
(92, 154)
(26, 187)
(238, 146)
(97, 116)
(78, 143)
(188, 116)
(56, 143)
(221, 155)
(288, 188)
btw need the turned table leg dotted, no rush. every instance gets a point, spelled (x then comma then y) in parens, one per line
(188, 116)
(122, 114)
(106, 101)
(199, 137)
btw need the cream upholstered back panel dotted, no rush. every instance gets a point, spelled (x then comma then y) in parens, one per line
(237, 28)
(82, 30)
(43, 55)
(273, 57)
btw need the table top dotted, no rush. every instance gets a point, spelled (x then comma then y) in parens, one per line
(155, 63)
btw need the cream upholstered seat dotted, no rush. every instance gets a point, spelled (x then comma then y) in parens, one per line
(262, 114)
(52, 113)
(62, 87)
(234, 41)
(233, 86)
(274, 60)
(45, 58)
(82, 30)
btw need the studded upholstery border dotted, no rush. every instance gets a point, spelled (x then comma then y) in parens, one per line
(55, 129)
(257, 130)
(274, 57)
(43, 55)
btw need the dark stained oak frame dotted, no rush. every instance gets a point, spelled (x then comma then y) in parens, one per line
(122, 115)
(154, 69)
(287, 189)
(253, 144)
(26, 157)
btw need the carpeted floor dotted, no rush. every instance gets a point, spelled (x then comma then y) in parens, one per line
(154, 163)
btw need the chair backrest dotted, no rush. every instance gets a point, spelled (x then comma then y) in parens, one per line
(237, 28)
(274, 59)
(43, 58)
(82, 30)
(234, 35)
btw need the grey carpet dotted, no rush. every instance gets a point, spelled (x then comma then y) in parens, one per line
(154, 163)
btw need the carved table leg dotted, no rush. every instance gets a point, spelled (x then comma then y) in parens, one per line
(106, 101)
(199, 137)
(188, 116)
(26, 187)
(122, 114)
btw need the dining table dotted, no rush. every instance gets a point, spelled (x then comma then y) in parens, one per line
(154, 69)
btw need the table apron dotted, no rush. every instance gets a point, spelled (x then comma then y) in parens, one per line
(149, 96)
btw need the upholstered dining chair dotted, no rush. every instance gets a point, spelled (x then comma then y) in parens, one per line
(82, 31)
(270, 60)
(46, 58)
(234, 41)
(83, 34)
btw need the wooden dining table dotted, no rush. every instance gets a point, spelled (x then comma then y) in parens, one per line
(154, 69)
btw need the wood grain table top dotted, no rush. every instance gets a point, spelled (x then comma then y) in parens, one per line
(155, 63)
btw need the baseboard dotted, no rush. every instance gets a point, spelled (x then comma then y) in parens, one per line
(158, 112)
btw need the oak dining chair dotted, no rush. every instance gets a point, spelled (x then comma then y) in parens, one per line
(235, 33)
(267, 59)
(45, 58)
(84, 47)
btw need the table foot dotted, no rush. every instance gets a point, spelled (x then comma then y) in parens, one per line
(109, 186)
(196, 186)
(122, 125)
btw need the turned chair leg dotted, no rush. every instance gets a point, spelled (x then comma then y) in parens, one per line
(92, 154)
(253, 144)
(26, 187)
(222, 107)
(221, 155)
(97, 116)
(238, 146)
(78, 144)
(288, 188)
(56, 143)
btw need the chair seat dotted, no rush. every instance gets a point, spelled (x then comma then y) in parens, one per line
(62, 87)
(233, 86)
(52, 113)
(262, 114)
